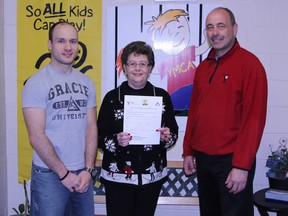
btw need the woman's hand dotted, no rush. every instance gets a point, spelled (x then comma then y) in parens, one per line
(164, 134)
(123, 139)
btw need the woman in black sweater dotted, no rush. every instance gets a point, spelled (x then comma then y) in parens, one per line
(133, 174)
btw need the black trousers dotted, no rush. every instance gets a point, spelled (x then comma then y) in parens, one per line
(122, 200)
(214, 197)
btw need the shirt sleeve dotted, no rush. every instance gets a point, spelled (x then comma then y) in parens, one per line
(170, 121)
(107, 138)
(33, 93)
(253, 117)
(187, 150)
(91, 103)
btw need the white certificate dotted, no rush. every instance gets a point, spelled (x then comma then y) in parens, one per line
(142, 116)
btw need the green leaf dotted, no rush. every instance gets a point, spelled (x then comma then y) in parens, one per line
(21, 208)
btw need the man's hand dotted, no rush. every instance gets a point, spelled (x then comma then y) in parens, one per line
(85, 179)
(189, 165)
(236, 180)
(71, 182)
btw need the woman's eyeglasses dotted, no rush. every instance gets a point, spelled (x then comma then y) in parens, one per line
(140, 64)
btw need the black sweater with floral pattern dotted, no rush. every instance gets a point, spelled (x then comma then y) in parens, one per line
(135, 165)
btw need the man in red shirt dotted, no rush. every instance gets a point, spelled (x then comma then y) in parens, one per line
(226, 121)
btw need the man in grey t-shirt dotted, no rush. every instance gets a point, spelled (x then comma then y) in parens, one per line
(59, 107)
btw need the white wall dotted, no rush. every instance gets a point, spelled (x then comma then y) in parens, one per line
(15, 191)
(263, 29)
(3, 155)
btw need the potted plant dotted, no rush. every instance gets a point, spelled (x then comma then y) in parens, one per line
(277, 162)
(23, 209)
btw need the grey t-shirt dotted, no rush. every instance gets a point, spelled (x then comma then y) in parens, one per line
(65, 98)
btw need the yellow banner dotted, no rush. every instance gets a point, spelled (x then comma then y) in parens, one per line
(34, 20)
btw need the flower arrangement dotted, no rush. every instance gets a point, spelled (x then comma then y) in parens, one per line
(277, 162)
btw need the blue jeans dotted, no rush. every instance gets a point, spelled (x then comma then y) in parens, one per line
(49, 197)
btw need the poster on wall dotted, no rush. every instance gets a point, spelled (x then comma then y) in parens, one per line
(33, 23)
(176, 33)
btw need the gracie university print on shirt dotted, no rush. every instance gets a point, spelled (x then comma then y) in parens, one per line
(65, 98)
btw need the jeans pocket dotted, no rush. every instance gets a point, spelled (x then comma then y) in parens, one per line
(37, 170)
(41, 171)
